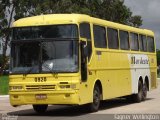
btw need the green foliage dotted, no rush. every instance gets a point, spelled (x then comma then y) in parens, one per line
(136, 21)
(4, 85)
(113, 10)
(158, 57)
(158, 76)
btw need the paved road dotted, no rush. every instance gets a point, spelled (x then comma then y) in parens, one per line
(108, 109)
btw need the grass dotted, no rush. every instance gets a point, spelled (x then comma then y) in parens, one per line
(4, 85)
(158, 75)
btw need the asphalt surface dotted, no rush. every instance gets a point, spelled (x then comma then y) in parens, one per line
(111, 109)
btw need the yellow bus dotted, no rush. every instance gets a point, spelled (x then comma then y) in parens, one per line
(77, 59)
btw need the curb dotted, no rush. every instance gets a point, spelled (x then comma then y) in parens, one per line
(4, 96)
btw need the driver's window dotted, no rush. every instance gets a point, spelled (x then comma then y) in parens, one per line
(85, 32)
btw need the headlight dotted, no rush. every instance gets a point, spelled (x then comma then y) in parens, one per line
(15, 88)
(73, 86)
(64, 86)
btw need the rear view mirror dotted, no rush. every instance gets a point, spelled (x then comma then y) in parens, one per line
(84, 55)
(84, 49)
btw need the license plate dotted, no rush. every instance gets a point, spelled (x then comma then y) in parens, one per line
(41, 96)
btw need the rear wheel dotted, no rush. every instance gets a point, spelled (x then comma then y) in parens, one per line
(144, 91)
(94, 106)
(138, 97)
(40, 108)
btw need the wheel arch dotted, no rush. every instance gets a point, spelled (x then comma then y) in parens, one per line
(141, 79)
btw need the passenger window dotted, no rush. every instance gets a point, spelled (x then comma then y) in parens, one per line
(142, 43)
(124, 40)
(134, 41)
(150, 41)
(112, 38)
(99, 36)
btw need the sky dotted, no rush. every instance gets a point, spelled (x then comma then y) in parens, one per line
(149, 10)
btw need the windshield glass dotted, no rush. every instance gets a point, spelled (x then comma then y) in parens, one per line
(39, 32)
(25, 56)
(52, 56)
(60, 56)
(44, 55)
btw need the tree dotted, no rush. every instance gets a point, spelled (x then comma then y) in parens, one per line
(158, 57)
(136, 21)
(113, 10)
(6, 7)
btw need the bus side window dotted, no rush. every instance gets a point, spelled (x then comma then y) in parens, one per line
(124, 40)
(85, 32)
(112, 38)
(150, 44)
(99, 36)
(134, 41)
(142, 43)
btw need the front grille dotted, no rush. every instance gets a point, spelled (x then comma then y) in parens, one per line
(40, 87)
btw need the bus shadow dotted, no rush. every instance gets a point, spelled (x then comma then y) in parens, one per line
(118, 102)
(54, 110)
(69, 111)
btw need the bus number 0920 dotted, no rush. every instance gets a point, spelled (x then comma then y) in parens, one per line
(40, 79)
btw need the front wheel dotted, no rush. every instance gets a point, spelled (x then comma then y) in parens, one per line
(94, 106)
(40, 108)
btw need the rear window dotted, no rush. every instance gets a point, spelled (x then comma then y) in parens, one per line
(150, 41)
(142, 43)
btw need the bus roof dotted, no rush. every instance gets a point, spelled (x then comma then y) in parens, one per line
(51, 19)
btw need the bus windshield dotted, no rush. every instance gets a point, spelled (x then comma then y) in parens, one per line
(43, 55)
(39, 57)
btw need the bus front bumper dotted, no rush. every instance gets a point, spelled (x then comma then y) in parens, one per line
(44, 97)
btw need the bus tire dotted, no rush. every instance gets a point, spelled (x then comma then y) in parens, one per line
(40, 108)
(94, 106)
(138, 97)
(144, 92)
